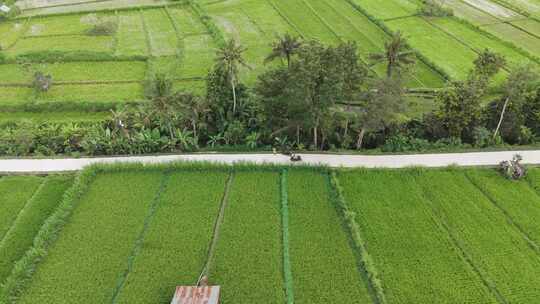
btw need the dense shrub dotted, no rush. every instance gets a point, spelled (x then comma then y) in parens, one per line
(513, 169)
(59, 56)
(103, 28)
(402, 143)
(42, 82)
(433, 8)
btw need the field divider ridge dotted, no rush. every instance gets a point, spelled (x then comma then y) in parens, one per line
(146, 33)
(287, 20)
(115, 36)
(20, 35)
(253, 21)
(23, 269)
(531, 184)
(518, 10)
(140, 239)
(217, 227)
(439, 221)
(180, 45)
(338, 36)
(480, 29)
(400, 17)
(287, 270)
(367, 266)
(507, 21)
(460, 40)
(22, 210)
(74, 35)
(380, 23)
(208, 22)
(507, 215)
(482, 32)
(363, 60)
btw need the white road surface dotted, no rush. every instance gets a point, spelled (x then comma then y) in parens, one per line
(347, 161)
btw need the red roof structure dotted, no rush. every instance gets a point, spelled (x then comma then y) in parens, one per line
(196, 295)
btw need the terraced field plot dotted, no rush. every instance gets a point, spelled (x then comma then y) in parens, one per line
(134, 233)
(173, 38)
(25, 205)
(146, 41)
(511, 21)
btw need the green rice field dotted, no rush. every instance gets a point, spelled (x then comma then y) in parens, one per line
(128, 233)
(97, 73)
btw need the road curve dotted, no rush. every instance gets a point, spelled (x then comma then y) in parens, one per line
(347, 161)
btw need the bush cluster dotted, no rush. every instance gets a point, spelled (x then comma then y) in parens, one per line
(434, 8)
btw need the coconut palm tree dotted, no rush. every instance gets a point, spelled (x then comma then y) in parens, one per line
(396, 54)
(229, 58)
(284, 47)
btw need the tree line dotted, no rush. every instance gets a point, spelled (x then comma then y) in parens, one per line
(311, 96)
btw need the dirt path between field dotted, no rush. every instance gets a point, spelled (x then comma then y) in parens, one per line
(347, 161)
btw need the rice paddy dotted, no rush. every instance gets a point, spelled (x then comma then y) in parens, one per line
(133, 233)
(176, 34)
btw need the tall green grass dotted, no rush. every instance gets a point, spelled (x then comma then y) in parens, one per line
(415, 258)
(83, 265)
(39, 208)
(175, 247)
(323, 263)
(516, 199)
(15, 191)
(497, 249)
(163, 39)
(131, 36)
(533, 177)
(248, 258)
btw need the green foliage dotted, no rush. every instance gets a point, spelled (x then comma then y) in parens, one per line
(403, 143)
(315, 230)
(396, 56)
(329, 78)
(20, 237)
(158, 85)
(460, 107)
(519, 118)
(103, 28)
(284, 47)
(42, 82)
(489, 63)
(434, 8)
(482, 137)
(60, 56)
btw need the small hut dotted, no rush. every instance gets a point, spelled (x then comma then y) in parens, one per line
(196, 295)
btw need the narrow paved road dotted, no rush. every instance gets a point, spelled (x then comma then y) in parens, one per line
(349, 161)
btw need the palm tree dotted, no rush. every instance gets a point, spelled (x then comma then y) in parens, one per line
(396, 54)
(229, 58)
(194, 109)
(284, 47)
